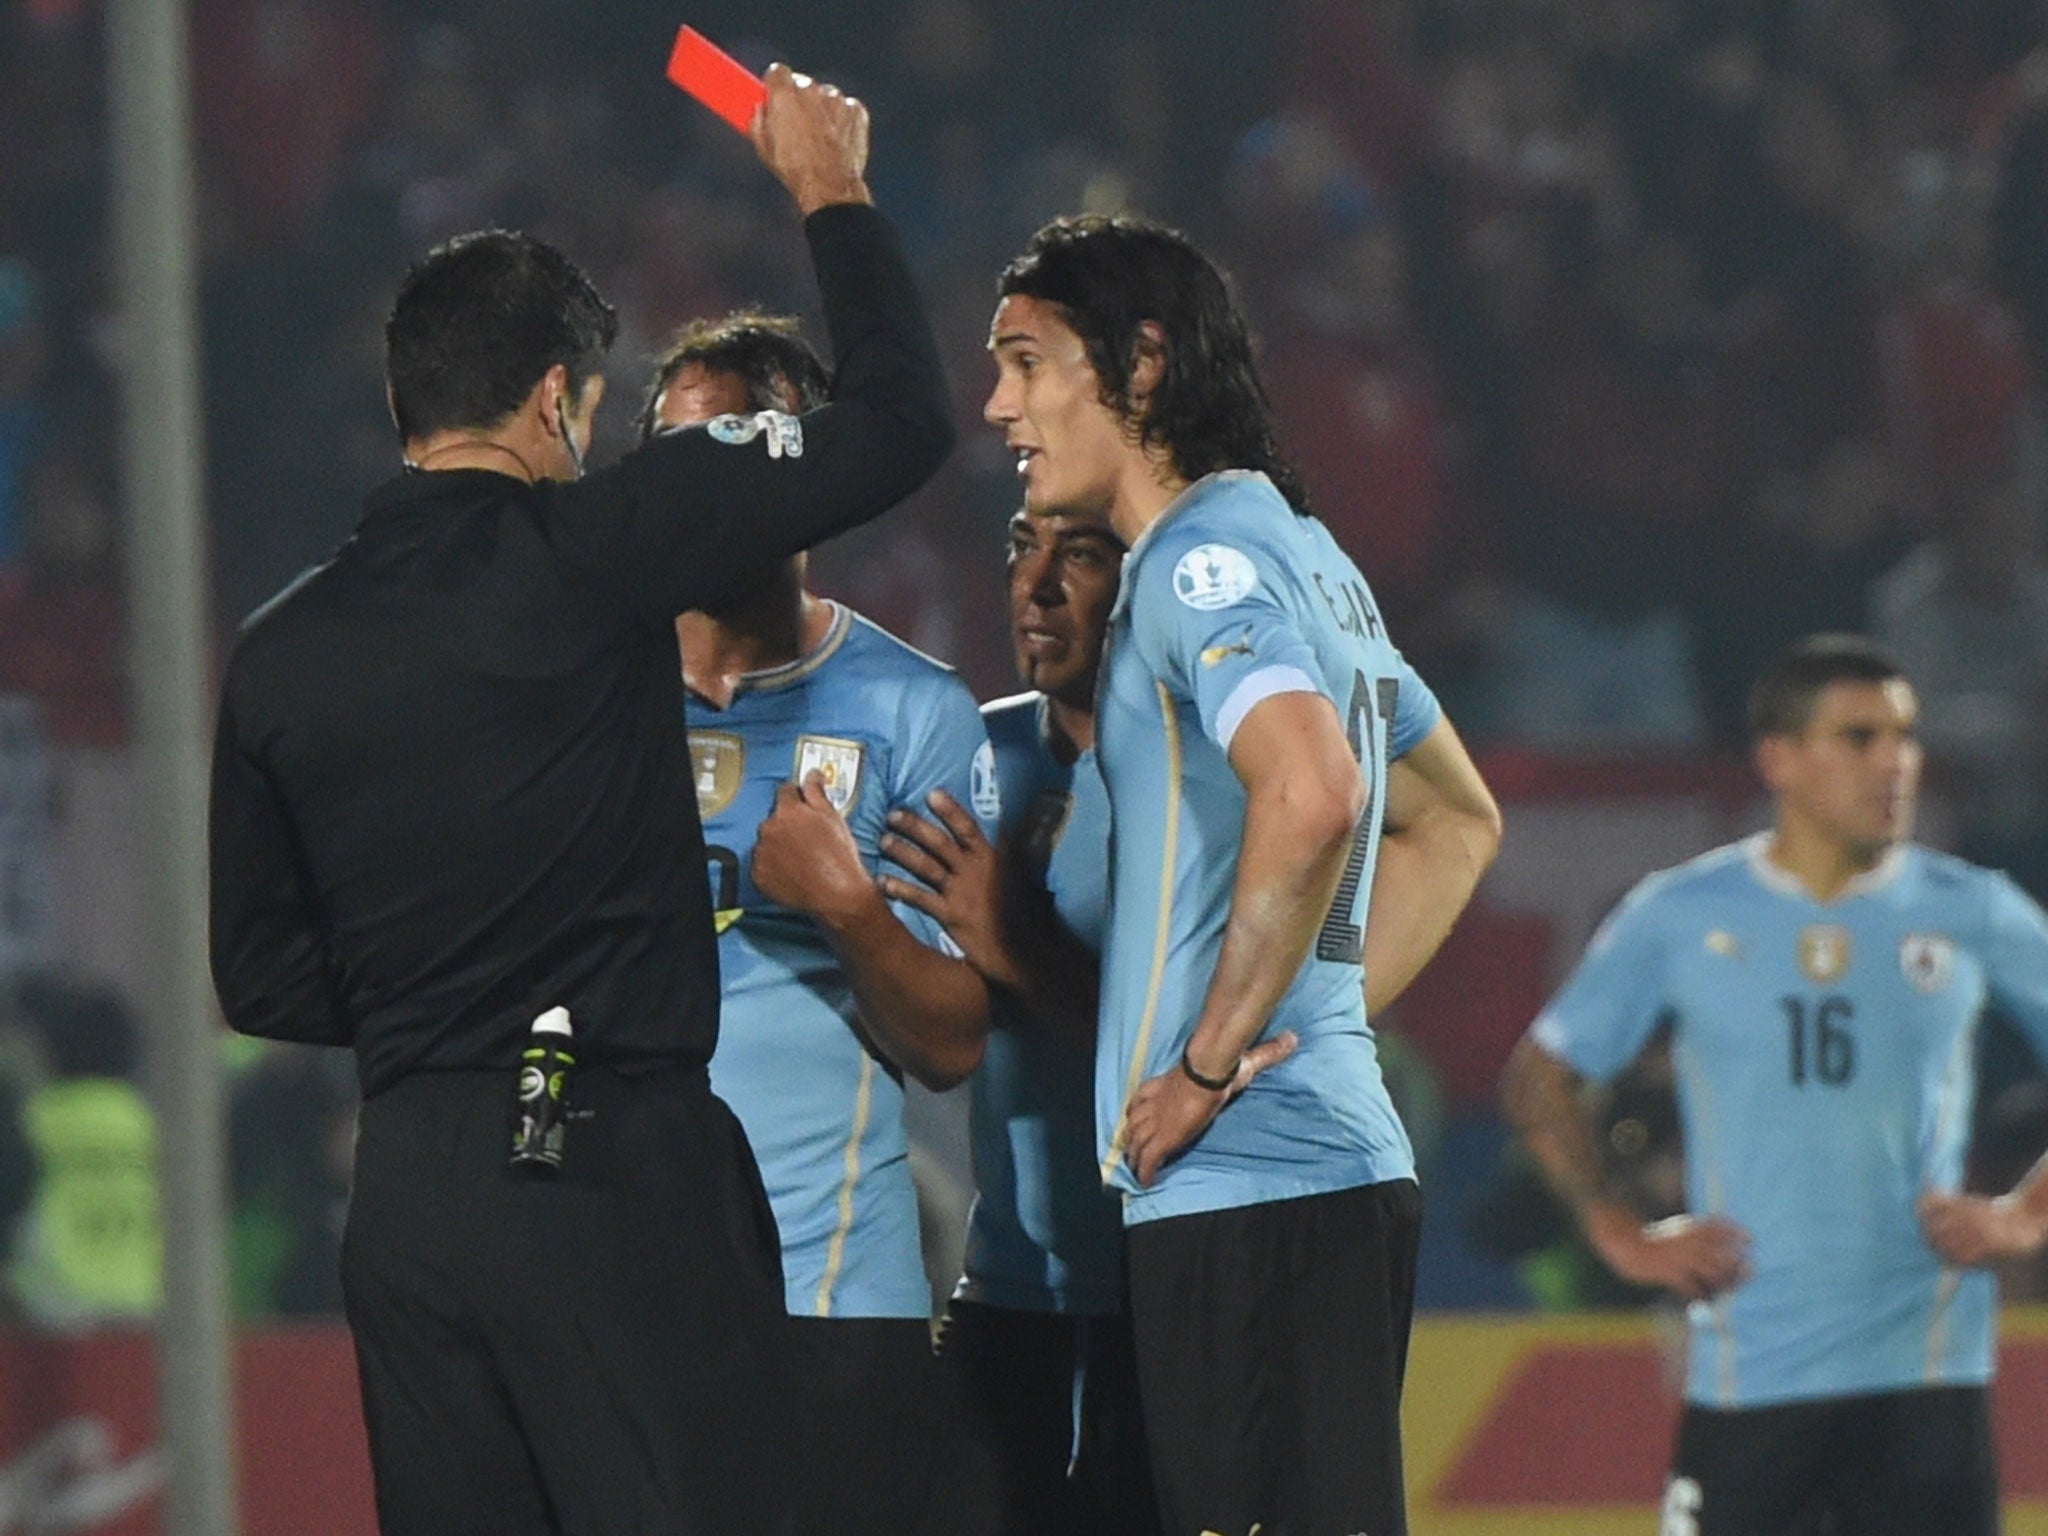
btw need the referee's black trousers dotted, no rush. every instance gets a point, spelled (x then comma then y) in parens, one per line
(600, 1354)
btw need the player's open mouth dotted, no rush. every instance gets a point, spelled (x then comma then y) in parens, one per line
(1024, 458)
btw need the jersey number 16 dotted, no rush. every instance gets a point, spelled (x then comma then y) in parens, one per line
(1821, 1046)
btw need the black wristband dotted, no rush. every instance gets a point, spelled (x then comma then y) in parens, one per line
(1211, 1084)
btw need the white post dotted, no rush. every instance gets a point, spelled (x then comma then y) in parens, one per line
(163, 469)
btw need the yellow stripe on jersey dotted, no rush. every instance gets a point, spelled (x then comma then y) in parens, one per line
(1724, 1350)
(1707, 1135)
(1938, 1325)
(835, 1252)
(1165, 929)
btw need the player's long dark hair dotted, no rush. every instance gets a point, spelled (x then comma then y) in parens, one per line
(1109, 276)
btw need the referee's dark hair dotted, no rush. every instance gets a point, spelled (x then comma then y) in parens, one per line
(1782, 702)
(766, 352)
(478, 321)
(1109, 276)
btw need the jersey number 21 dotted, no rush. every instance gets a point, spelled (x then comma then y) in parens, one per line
(1340, 939)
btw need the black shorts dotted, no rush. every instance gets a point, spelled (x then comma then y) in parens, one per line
(1056, 1439)
(1272, 1342)
(601, 1351)
(873, 1444)
(1913, 1463)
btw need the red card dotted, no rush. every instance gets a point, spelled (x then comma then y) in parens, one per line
(715, 78)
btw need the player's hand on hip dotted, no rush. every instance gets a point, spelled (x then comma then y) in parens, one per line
(1978, 1229)
(964, 885)
(805, 857)
(814, 138)
(1169, 1112)
(1693, 1256)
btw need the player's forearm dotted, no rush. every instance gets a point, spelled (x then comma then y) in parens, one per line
(926, 1011)
(2029, 1200)
(1542, 1099)
(1290, 860)
(1425, 878)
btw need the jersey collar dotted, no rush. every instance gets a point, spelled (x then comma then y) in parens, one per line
(1043, 711)
(1785, 883)
(787, 673)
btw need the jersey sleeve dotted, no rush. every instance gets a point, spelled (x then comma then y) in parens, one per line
(2016, 961)
(1609, 1006)
(945, 746)
(1416, 711)
(1207, 617)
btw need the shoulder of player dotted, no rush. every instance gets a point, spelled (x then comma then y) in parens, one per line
(1247, 520)
(912, 699)
(897, 673)
(1987, 896)
(1710, 876)
(890, 655)
(1233, 507)
(1946, 871)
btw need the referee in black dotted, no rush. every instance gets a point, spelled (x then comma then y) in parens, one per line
(451, 789)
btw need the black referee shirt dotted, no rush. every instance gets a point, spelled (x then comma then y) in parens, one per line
(451, 784)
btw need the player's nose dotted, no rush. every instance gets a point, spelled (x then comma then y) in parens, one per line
(1028, 579)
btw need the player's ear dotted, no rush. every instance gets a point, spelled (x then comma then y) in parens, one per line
(1772, 756)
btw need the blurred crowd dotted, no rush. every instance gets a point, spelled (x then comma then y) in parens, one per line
(1619, 340)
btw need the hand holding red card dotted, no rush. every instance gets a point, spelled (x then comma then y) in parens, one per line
(811, 135)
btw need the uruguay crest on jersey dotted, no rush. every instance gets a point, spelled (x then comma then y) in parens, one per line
(836, 761)
(1926, 961)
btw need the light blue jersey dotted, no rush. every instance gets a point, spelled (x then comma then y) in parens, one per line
(1044, 1235)
(1826, 1072)
(1227, 600)
(823, 1111)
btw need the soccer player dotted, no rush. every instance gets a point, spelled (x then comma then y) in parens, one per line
(1823, 982)
(1036, 1330)
(808, 725)
(1255, 728)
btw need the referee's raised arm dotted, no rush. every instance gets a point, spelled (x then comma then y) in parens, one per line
(685, 517)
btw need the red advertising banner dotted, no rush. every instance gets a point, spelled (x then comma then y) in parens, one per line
(1516, 1426)
(80, 1449)
(1561, 1426)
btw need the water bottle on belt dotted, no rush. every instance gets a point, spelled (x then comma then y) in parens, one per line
(540, 1111)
